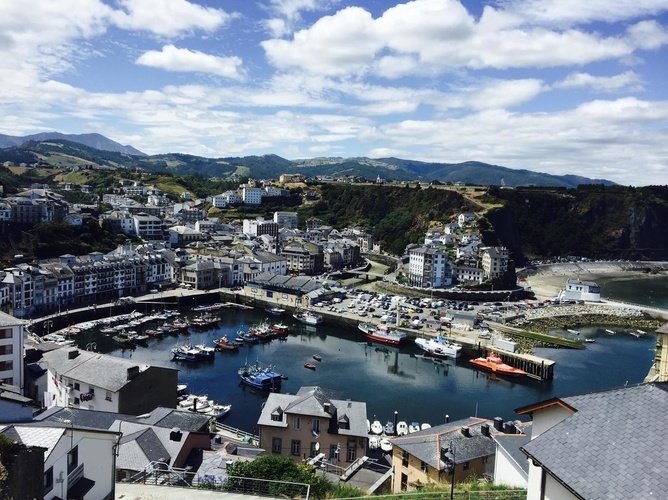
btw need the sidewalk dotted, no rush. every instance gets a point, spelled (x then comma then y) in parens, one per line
(133, 491)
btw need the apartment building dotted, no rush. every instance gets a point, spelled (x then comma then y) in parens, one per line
(11, 350)
(494, 261)
(429, 267)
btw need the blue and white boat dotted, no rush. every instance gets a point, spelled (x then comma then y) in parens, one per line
(439, 347)
(260, 377)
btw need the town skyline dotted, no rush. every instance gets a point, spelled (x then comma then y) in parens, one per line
(555, 87)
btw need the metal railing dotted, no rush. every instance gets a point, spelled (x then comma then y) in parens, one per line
(160, 474)
(458, 495)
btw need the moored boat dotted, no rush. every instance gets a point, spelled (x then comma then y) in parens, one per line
(439, 347)
(496, 365)
(402, 428)
(590, 341)
(275, 311)
(317, 357)
(224, 344)
(205, 322)
(185, 353)
(308, 318)
(389, 428)
(376, 427)
(382, 333)
(260, 377)
(279, 329)
(413, 427)
(310, 366)
(386, 445)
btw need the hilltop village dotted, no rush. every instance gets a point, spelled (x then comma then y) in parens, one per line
(91, 422)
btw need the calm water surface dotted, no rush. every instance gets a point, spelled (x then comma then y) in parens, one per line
(650, 292)
(389, 379)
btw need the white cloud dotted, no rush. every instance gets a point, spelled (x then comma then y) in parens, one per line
(172, 58)
(168, 18)
(438, 35)
(629, 80)
(289, 14)
(569, 12)
(648, 35)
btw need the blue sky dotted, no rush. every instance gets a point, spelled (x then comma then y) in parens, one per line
(559, 86)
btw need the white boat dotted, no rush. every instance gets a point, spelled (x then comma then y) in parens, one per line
(385, 445)
(414, 427)
(376, 427)
(440, 347)
(610, 332)
(199, 402)
(590, 341)
(308, 317)
(215, 410)
(205, 351)
(425, 426)
(641, 332)
(574, 332)
(374, 442)
(402, 428)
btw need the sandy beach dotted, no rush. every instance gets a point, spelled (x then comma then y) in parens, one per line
(546, 281)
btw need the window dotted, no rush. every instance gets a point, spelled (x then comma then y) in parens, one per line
(296, 423)
(351, 453)
(77, 386)
(72, 459)
(424, 467)
(465, 466)
(404, 482)
(48, 480)
(5, 333)
(6, 349)
(6, 365)
(276, 445)
(108, 396)
(404, 458)
(316, 426)
(296, 447)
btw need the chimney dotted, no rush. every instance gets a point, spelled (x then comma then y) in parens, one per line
(73, 354)
(466, 432)
(498, 424)
(484, 430)
(132, 372)
(326, 407)
(175, 434)
(509, 428)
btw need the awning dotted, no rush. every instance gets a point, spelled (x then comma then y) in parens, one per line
(80, 488)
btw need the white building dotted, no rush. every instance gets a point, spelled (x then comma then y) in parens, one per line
(511, 467)
(227, 198)
(287, 220)
(78, 462)
(429, 267)
(11, 350)
(465, 274)
(581, 290)
(148, 227)
(93, 381)
(251, 195)
(494, 261)
(464, 218)
(259, 226)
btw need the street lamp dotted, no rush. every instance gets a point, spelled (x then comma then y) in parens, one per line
(450, 465)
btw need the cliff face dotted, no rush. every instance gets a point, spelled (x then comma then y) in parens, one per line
(612, 222)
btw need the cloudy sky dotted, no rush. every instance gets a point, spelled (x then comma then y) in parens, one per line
(559, 86)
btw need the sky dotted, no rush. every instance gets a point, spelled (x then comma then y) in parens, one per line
(557, 86)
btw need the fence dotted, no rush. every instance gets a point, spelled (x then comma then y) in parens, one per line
(458, 495)
(162, 475)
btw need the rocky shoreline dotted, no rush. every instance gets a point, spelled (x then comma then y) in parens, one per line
(544, 320)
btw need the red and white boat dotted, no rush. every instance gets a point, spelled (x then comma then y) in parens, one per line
(495, 364)
(382, 333)
(279, 329)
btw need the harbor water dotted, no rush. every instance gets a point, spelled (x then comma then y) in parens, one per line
(387, 379)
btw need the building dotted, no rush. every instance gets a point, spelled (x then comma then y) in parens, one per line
(78, 462)
(494, 261)
(465, 218)
(182, 235)
(148, 227)
(466, 274)
(287, 220)
(465, 447)
(429, 267)
(604, 445)
(288, 178)
(11, 350)
(259, 226)
(311, 422)
(89, 380)
(511, 467)
(251, 195)
(226, 199)
(581, 290)
(659, 372)
(303, 257)
(14, 407)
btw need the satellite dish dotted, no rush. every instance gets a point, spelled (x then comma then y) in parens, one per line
(317, 446)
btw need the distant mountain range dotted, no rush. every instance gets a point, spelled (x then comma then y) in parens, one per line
(96, 141)
(64, 150)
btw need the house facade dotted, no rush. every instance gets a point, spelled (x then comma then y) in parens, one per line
(11, 350)
(89, 380)
(312, 422)
(429, 267)
(494, 261)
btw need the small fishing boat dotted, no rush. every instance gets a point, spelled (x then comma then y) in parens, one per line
(308, 317)
(223, 344)
(310, 366)
(376, 427)
(389, 428)
(497, 366)
(386, 445)
(275, 311)
(574, 332)
(609, 332)
(590, 341)
(425, 426)
(402, 428)
(317, 357)
(279, 329)
(374, 442)
(414, 427)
